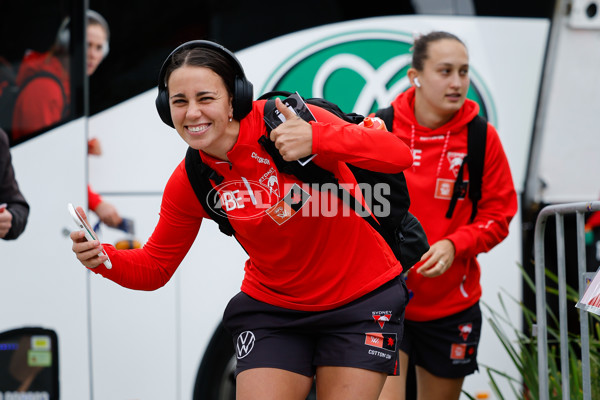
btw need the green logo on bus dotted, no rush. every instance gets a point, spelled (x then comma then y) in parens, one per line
(360, 71)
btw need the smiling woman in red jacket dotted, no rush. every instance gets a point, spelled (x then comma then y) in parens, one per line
(322, 299)
(443, 319)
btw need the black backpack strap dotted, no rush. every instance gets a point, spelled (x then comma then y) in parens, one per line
(274, 93)
(476, 143)
(352, 117)
(387, 115)
(311, 173)
(333, 108)
(402, 231)
(200, 176)
(459, 188)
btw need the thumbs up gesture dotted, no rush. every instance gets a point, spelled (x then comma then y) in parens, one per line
(293, 138)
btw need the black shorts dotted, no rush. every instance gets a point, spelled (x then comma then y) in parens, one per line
(446, 347)
(363, 333)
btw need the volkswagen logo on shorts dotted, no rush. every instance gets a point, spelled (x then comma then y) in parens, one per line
(244, 344)
(360, 71)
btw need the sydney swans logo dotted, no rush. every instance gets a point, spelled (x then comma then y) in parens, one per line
(359, 71)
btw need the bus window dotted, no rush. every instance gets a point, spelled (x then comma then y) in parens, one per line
(41, 69)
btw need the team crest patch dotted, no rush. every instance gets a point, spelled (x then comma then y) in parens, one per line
(465, 330)
(382, 318)
(455, 160)
(287, 207)
(269, 180)
(386, 341)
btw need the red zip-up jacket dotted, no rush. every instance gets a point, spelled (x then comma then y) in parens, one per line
(298, 258)
(438, 154)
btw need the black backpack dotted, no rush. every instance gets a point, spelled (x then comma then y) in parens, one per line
(476, 141)
(9, 92)
(401, 230)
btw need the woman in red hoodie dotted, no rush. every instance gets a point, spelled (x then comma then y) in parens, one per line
(443, 319)
(44, 77)
(45, 96)
(322, 296)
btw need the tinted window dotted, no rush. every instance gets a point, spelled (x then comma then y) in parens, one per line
(45, 51)
(144, 32)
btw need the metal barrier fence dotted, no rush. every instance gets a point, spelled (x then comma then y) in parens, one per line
(580, 209)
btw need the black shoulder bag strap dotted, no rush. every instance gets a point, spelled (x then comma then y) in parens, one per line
(387, 115)
(200, 175)
(476, 148)
(308, 173)
(311, 173)
(268, 95)
(476, 143)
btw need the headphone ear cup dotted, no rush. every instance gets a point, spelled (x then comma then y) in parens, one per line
(162, 106)
(242, 88)
(242, 98)
(63, 36)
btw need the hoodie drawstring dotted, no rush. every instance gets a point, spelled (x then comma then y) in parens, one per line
(444, 149)
(412, 143)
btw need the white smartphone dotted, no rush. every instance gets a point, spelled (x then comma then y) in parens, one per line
(89, 232)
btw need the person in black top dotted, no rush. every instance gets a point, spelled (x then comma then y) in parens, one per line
(14, 209)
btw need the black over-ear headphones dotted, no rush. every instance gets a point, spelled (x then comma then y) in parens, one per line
(242, 88)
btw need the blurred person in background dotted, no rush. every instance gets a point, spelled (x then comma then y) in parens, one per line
(45, 93)
(14, 209)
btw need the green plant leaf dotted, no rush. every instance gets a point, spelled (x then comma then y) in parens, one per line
(522, 348)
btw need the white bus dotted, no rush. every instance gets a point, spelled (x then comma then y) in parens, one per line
(115, 343)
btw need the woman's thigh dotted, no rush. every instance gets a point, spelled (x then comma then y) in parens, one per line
(430, 386)
(272, 384)
(344, 383)
(395, 386)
